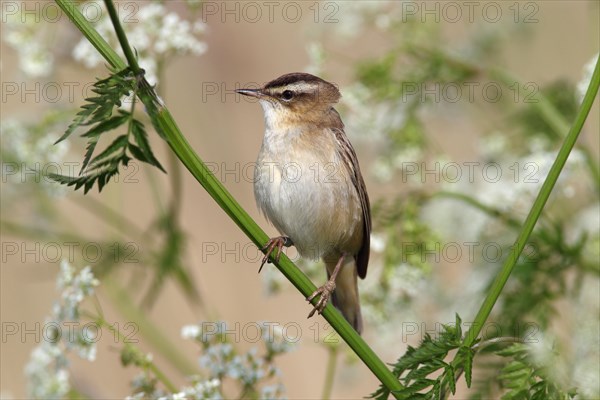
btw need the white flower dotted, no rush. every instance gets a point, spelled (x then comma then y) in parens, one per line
(31, 154)
(190, 332)
(494, 145)
(246, 368)
(406, 280)
(382, 170)
(47, 377)
(201, 390)
(155, 34)
(216, 358)
(585, 339)
(369, 119)
(272, 392)
(87, 54)
(353, 15)
(74, 289)
(378, 242)
(35, 60)
(65, 277)
(46, 371)
(136, 396)
(275, 340)
(28, 37)
(588, 71)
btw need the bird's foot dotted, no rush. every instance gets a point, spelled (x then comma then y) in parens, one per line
(325, 291)
(277, 242)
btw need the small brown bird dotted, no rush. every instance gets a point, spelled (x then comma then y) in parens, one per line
(308, 184)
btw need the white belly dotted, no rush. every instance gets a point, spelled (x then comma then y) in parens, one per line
(307, 196)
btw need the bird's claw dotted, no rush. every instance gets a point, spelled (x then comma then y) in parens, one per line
(273, 243)
(325, 291)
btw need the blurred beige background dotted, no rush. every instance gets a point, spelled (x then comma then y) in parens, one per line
(226, 130)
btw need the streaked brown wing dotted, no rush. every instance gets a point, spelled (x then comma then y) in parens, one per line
(348, 153)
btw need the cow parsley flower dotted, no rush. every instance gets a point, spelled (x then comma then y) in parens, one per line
(153, 31)
(588, 71)
(47, 373)
(275, 339)
(28, 37)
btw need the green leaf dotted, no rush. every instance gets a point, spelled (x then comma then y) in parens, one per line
(106, 126)
(141, 138)
(119, 144)
(468, 364)
(137, 153)
(449, 375)
(98, 112)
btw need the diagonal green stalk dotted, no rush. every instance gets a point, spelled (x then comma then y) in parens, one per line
(69, 7)
(535, 212)
(168, 129)
(131, 60)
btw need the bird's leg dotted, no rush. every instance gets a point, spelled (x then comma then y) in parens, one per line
(277, 242)
(326, 290)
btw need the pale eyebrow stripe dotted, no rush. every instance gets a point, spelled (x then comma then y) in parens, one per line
(298, 86)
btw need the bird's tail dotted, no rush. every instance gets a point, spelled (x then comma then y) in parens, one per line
(345, 296)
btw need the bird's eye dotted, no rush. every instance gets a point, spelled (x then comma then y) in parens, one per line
(287, 95)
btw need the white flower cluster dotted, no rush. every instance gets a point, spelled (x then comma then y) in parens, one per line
(374, 124)
(588, 71)
(198, 390)
(353, 16)
(221, 360)
(47, 373)
(30, 154)
(585, 339)
(276, 341)
(217, 358)
(517, 196)
(24, 146)
(210, 390)
(249, 368)
(75, 288)
(153, 31)
(27, 36)
(382, 301)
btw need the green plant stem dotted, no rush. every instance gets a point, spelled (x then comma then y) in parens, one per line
(330, 371)
(131, 60)
(166, 127)
(535, 212)
(69, 7)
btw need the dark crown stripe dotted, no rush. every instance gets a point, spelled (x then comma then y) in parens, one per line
(294, 77)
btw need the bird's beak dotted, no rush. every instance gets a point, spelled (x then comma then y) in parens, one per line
(258, 93)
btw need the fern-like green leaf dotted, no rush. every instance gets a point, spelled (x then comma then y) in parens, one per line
(141, 138)
(417, 366)
(99, 113)
(468, 354)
